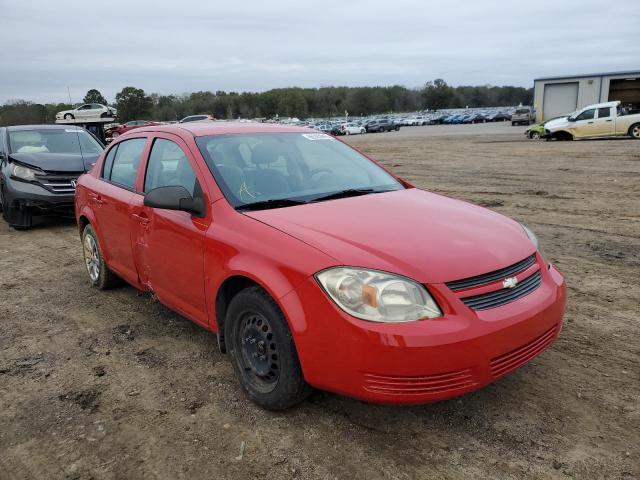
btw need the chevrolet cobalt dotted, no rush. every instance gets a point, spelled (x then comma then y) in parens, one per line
(315, 266)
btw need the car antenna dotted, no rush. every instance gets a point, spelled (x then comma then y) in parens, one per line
(76, 127)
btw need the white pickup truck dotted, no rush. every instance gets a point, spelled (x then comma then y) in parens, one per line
(599, 120)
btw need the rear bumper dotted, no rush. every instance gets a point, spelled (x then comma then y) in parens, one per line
(425, 361)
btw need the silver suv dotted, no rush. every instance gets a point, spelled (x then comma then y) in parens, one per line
(523, 116)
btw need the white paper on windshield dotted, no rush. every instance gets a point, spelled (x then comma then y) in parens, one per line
(317, 136)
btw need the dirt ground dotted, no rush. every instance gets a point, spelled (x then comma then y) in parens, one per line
(112, 385)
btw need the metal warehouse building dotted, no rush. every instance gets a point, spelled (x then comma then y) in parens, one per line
(555, 96)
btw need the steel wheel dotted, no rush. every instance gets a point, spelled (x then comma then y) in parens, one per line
(259, 356)
(91, 257)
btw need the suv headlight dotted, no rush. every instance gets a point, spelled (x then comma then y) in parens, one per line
(22, 172)
(377, 296)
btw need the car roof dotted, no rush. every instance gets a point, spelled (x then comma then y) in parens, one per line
(225, 128)
(16, 128)
(600, 105)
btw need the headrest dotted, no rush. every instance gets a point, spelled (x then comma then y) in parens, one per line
(266, 152)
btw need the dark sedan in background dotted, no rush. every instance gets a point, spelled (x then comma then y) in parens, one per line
(39, 166)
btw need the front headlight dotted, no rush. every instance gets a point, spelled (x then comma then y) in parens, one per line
(377, 296)
(22, 172)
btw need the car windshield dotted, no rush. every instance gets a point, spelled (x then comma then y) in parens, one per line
(263, 169)
(522, 110)
(53, 140)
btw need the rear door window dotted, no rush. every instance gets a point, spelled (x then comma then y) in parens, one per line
(124, 166)
(604, 112)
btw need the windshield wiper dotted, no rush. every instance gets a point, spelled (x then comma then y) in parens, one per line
(267, 204)
(349, 192)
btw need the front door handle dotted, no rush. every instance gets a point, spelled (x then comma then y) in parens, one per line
(142, 218)
(609, 120)
(589, 122)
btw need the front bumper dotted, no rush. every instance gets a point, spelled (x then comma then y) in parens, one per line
(23, 199)
(424, 361)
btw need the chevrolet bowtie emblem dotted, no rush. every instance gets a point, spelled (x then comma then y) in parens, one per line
(509, 282)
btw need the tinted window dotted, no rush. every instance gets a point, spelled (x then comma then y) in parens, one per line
(604, 112)
(169, 166)
(586, 115)
(126, 161)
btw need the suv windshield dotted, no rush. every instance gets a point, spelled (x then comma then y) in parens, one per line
(522, 111)
(53, 140)
(270, 170)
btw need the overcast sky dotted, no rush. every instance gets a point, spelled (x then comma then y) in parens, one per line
(170, 46)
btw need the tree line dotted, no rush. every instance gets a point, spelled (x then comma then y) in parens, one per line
(134, 103)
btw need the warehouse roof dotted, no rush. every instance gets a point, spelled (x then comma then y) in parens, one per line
(604, 74)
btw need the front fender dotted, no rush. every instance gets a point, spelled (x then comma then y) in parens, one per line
(238, 245)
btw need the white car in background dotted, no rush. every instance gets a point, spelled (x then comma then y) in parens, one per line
(353, 129)
(88, 111)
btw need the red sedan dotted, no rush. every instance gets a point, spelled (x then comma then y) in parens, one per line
(315, 266)
(115, 132)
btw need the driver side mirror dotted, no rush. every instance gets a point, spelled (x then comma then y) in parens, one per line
(174, 198)
(571, 119)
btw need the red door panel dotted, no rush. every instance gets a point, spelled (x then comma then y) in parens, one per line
(111, 209)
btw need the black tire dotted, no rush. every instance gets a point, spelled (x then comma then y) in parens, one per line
(18, 220)
(513, 124)
(68, 116)
(634, 131)
(534, 135)
(262, 351)
(104, 278)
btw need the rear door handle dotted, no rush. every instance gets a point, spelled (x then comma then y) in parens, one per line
(96, 198)
(609, 120)
(589, 122)
(142, 218)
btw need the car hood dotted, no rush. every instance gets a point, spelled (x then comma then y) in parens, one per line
(428, 237)
(552, 125)
(57, 162)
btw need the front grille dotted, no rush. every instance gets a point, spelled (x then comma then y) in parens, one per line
(418, 385)
(492, 276)
(503, 296)
(516, 358)
(58, 183)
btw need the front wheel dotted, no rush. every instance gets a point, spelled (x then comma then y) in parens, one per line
(99, 274)
(534, 135)
(262, 351)
(68, 116)
(634, 131)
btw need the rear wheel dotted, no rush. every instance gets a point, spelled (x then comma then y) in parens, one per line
(262, 351)
(115, 135)
(99, 274)
(634, 131)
